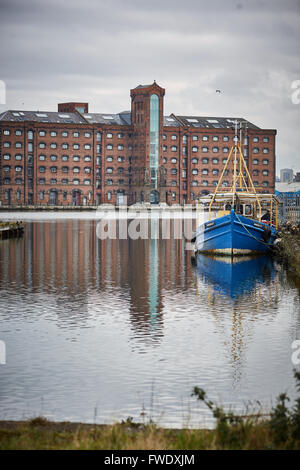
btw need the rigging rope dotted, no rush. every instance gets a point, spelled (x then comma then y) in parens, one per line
(260, 241)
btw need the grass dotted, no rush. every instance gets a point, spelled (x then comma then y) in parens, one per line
(289, 248)
(43, 434)
(281, 430)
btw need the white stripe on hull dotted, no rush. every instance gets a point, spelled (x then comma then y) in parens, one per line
(229, 251)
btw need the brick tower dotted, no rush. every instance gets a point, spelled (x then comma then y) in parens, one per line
(147, 182)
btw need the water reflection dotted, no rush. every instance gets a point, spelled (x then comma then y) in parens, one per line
(240, 287)
(91, 322)
(236, 276)
(67, 264)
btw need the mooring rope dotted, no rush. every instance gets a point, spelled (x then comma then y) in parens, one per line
(260, 241)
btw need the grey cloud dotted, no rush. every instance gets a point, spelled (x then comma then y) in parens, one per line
(97, 50)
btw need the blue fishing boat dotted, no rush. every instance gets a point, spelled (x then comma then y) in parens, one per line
(241, 221)
(235, 234)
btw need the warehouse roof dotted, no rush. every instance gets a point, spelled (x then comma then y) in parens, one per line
(42, 116)
(213, 122)
(123, 118)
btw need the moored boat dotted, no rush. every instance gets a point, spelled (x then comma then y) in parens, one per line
(235, 234)
(241, 221)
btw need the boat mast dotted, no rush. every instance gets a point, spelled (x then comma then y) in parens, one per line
(235, 163)
(242, 148)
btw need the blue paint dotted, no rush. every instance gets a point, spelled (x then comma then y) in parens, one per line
(234, 232)
(235, 276)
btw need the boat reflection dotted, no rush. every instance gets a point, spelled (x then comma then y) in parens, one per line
(234, 277)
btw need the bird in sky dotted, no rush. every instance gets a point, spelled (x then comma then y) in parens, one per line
(218, 91)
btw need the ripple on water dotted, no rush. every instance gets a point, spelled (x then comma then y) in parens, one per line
(128, 329)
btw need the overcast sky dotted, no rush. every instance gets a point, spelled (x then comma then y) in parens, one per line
(96, 50)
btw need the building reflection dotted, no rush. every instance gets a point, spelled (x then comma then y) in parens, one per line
(76, 272)
(66, 260)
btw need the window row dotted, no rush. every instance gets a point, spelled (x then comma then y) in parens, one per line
(7, 156)
(65, 158)
(215, 138)
(75, 134)
(64, 169)
(7, 144)
(119, 158)
(205, 149)
(120, 135)
(53, 158)
(215, 171)
(119, 170)
(76, 158)
(110, 182)
(264, 150)
(7, 168)
(65, 134)
(64, 181)
(119, 147)
(109, 135)
(8, 180)
(53, 145)
(52, 181)
(215, 161)
(225, 183)
(43, 133)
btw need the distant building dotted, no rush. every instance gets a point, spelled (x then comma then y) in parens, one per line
(74, 157)
(286, 175)
(297, 177)
(289, 194)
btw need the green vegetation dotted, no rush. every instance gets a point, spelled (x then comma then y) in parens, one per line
(11, 225)
(280, 430)
(288, 248)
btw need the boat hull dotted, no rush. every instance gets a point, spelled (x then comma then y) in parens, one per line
(234, 234)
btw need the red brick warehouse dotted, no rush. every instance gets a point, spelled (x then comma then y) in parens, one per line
(73, 157)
